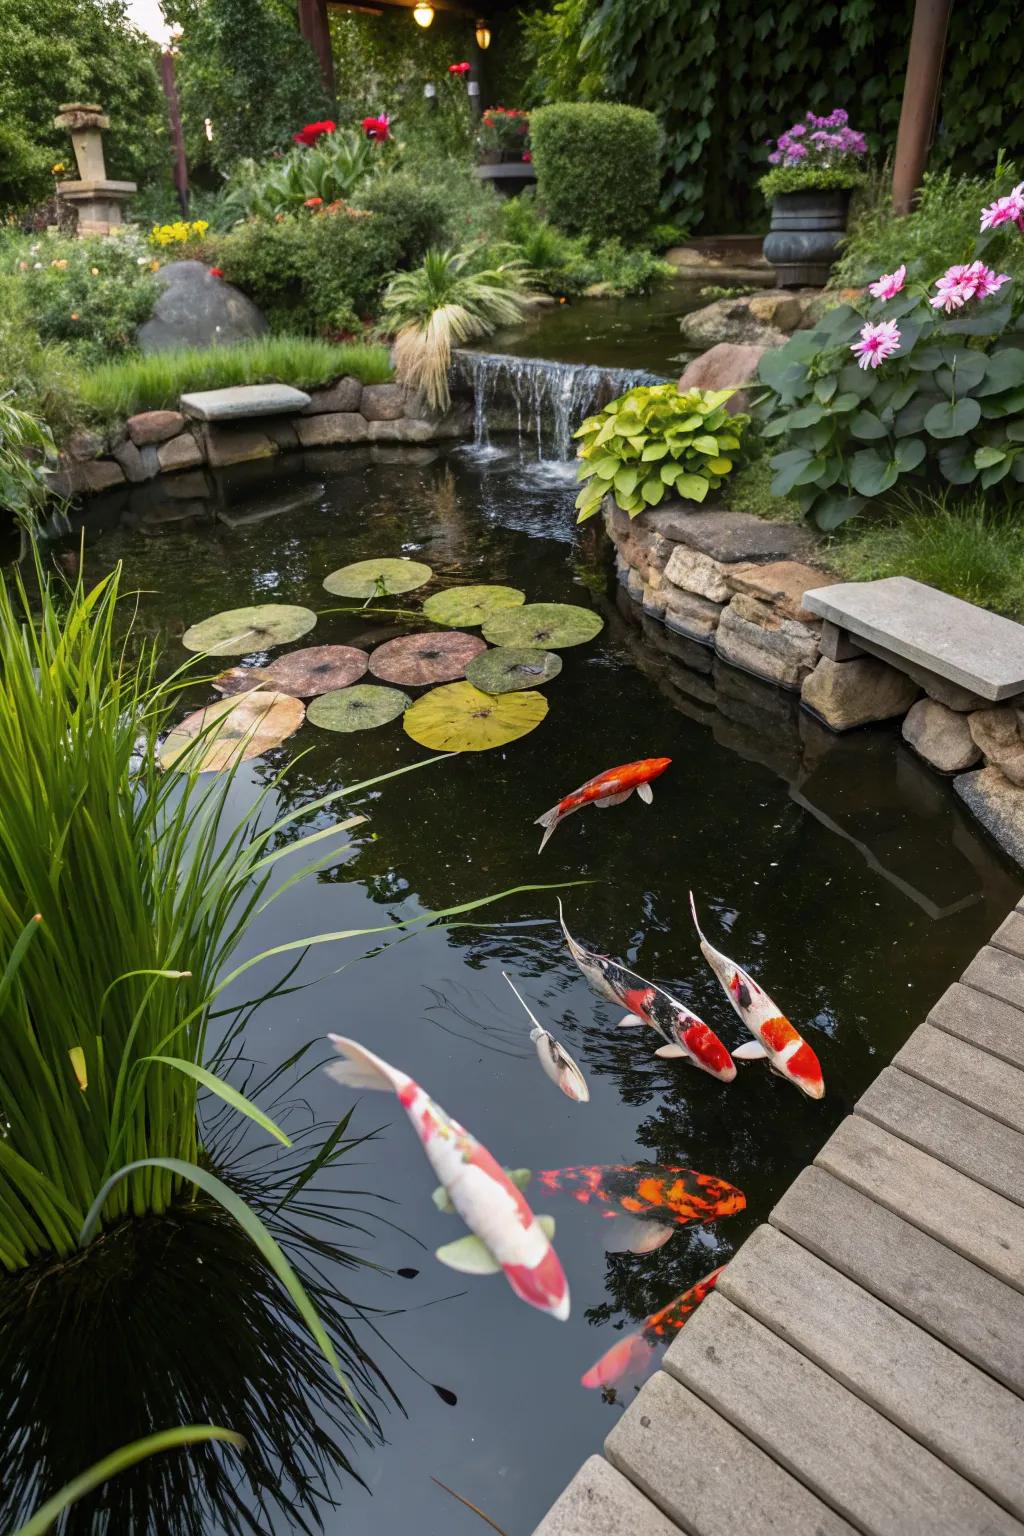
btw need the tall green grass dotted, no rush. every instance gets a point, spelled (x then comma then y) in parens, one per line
(156, 381)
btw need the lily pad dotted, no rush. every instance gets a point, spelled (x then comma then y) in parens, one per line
(317, 669)
(357, 709)
(238, 631)
(509, 668)
(543, 626)
(377, 578)
(459, 718)
(465, 607)
(232, 730)
(434, 657)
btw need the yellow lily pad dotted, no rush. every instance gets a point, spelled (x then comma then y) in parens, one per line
(543, 626)
(239, 631)
(459, 718)
(232, 730)
(377, 578)
(466, 607)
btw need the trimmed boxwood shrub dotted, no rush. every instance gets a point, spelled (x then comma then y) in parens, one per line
(597, 167)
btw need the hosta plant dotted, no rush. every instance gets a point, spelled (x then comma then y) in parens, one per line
(655, 441)
(329, 170)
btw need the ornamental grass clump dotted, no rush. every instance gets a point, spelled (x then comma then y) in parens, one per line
(655, 441)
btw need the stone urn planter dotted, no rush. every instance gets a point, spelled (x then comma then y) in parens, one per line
(507, 177)
(804, 237)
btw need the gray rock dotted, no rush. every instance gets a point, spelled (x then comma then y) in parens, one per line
(753, 636)
(133, 462)
(280, 431)
(998, 805)
(695, 572)
(83, 445)
(329, 430)
(154, 426)
(405, 454)
(91, 478)
(236, 445)
(941, 736)
(197, 310)
(846, 694)
(382, 402)
(997, 732)
(182, 452)
(835, 643)
(191, 485)
(966, 645)
(781, 583)
(729, 320)
(342, 395)
(243, 401)
(692, 616)
(728, 535)
(724, 366)
(403, 430)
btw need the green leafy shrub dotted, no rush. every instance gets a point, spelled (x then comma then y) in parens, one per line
(25, 445)
(89, 294)
(819, 178)
(330, 170)
(947, 403)
(654, 441)
(24, 169)
(597, 168)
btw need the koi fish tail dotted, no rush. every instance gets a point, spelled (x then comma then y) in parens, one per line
(549, 821)
(362, 1069)
(696, 920)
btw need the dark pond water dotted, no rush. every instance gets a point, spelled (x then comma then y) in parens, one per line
(838, 870)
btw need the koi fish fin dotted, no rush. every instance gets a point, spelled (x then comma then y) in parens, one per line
(696, 922)
(469, 1256)
(751, 1050)
(538, 1028)
(628, 1234)
(614, 799)
(646, 793)
(630, 1354)
(549, 821)
(362, 1069)
(672, 1052)
(443, 1200)
(547, 1226)
(631, 1021)
(520, 1177)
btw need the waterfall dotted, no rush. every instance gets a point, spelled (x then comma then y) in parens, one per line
(531, 396)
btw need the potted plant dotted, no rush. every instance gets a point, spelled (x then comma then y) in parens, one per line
(503, 142)
(815, 166)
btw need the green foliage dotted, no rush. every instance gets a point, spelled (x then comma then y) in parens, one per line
(655, 440)
(331, 170)
(25, 445)
(815, 178)
(597, 168)
(560, 69)
(750, 490)
(90, 295)
(968, 548)
(24, 169)
(442, 302)
(948, 405)
(566, 264)
(39, 376)
(115, 390)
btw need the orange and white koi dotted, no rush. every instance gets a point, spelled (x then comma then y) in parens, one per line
(646, 1202)
(686, 1036)
(787, 1051)
(555, 1060)
(608, 788)
(634, 1352)
(506, 1235)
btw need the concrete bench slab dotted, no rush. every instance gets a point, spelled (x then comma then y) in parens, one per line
(978, 650)
(243, 401)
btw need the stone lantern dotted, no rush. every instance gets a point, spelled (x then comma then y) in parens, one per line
(98, 201)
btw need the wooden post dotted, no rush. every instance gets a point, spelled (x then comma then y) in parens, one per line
(170, 86)
(474, 82)
(314, 26)
(920, 100)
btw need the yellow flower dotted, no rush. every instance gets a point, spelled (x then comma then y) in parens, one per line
(95, 271)
(55, 170)
(154, 266)
(60, 265)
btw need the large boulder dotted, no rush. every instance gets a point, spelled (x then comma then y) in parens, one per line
(761, 321)
(941, 736)
(196, 309)
(999, 734)
(724, 366)
(850, 693)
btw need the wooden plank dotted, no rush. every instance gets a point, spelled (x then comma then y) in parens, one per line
(600, 1502)
(998, 973)
(990, 1153)
(866, 1468)
(970, 1015)
(1010, 934)
(708, 1477)
(966, 1073)
(948, 1405)
(971, 1220)
(965, 1307)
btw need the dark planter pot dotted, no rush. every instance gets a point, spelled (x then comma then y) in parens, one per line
(804, 237)
(508, 178)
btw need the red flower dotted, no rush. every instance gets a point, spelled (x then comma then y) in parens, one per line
(458, 69)
(377, 127)
(527, 156)
(312, 132)
(313, 202)
(216, 272)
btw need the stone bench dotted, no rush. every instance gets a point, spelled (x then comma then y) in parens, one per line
(915, 628)
(243, 401)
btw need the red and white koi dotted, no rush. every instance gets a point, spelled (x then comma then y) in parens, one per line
(634, 1352)
(686, 1036)
(506, 1235)
(787, 1051)
(555, 1060)
(608, 788)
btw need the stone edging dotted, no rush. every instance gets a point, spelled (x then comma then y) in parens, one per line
(163, 442)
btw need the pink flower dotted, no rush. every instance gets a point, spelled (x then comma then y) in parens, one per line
(889, 284)
(958, 284)
(216, 271)
(1005, 210)
(877, 342)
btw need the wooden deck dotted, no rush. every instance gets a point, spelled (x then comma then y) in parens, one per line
(860, 1366)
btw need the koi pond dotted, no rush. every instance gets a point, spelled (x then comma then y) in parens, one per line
(839, 872)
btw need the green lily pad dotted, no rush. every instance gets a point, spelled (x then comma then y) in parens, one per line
(361, 708)
(377, 578)
(232, 730)
(306, 673)
(434, 656)
(239, 631)
(509, 668)
(466, 607)
(459, 718)
(543, 626)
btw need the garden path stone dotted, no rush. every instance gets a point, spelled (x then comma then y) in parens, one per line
(998, 805)
(154, 426)
(978, 650)
(728, 535)
(941, 736)
(196, 309)
(242, 401)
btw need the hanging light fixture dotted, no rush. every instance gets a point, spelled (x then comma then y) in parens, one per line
(483, 35)
(423, 13)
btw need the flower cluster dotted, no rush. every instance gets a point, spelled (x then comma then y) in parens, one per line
(179, 233)
(377, 128)
(313, 132)
(1005, 210)
(506, 129)
(819, 141)
(877, 342)
(458, 69)
(958, 284)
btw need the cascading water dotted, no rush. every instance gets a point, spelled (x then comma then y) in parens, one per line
(531, 396)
